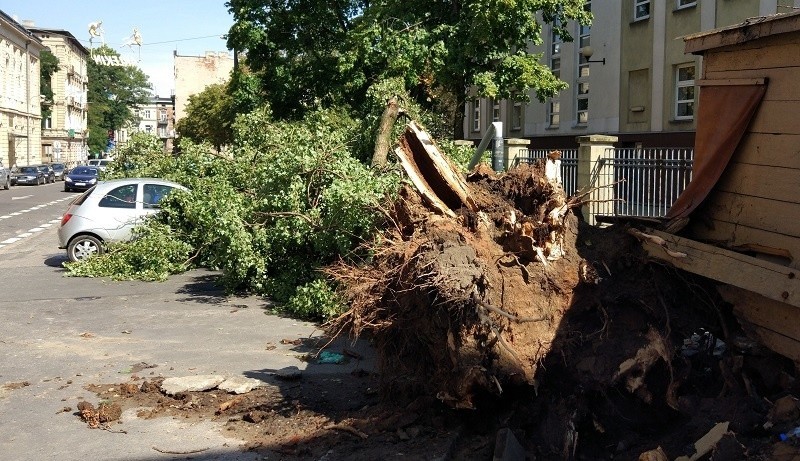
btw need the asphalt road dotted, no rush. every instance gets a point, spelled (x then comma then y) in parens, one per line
(58, 334)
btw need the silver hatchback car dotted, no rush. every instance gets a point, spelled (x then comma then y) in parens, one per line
(108, 212)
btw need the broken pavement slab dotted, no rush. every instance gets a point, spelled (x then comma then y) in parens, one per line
(240, 384)
(172, 386)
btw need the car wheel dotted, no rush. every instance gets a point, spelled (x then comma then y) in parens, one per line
(8, 184)
(83, 246)
(66, 189)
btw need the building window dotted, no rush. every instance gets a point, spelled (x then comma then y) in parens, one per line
(686, 3)
(47, 123)
(476, 115)
(553, 112)
(163, 115)
(146, 114)
(516, 116)
(684, 92)
(495, 110)
(554, 105)
(582, 82)
(641, 9)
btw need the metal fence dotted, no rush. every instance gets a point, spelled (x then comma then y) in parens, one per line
(645, 182)
(629, 181)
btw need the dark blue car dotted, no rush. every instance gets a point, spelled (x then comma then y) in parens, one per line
(80, 178)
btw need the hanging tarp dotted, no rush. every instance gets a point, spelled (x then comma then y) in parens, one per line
(726, 108)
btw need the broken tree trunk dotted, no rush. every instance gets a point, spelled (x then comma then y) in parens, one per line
(382, 139)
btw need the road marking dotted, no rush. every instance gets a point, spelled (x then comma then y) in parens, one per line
(37, 229)
(21, 197)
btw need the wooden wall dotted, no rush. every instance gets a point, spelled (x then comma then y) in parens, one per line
(756, 203)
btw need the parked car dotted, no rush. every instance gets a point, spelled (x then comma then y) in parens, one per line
(28, 175)
(48, 173)
(60, 170)
(101, 163)
(108, 212)
(5, 176)
(80, 178)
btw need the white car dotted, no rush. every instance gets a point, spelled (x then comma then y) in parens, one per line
(108, 212)
(99, 163)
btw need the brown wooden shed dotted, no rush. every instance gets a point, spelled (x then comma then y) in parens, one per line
(738, 221)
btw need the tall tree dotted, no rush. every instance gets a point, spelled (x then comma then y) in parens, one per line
(115, 91)
(313, 52)
(209, 117)
(48, 65)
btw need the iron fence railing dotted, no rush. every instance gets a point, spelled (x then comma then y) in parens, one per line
(646, 182)
(629, 181)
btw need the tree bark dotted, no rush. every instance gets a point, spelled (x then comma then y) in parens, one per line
(388, 119)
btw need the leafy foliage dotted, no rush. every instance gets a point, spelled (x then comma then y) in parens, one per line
(316, 52)
(289, 199)
(208, 116)
(154, 253)
(114, 91)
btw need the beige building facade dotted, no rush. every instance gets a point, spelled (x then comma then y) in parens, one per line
(194, 73)
(64, 133)
(157, 117)
(636, 83)
(20, 100)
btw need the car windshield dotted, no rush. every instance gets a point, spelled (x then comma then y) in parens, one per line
(84, 170)
(28, 169)
(58, 166)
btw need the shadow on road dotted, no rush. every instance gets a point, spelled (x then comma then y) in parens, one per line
(56, 261)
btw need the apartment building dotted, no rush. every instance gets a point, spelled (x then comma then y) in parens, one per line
(628, 75)
(64, 132)
(20, 97)
(194, 73)
(157, 117)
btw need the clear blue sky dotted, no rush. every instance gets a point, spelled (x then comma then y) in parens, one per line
(190, 27)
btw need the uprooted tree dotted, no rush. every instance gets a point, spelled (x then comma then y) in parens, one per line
(480, 284)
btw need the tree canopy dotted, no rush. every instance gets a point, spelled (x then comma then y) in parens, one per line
(208, 117)
(210, 114)
(114, 93)
(315, 52)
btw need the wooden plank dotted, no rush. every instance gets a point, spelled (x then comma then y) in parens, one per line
(756, 57)
(782, 84)
(775, 28)
(732, 235)
(774, 281)
(761, 181)
(787, 347)
(759, 213)
(766, 313)
(777, 117)
(730, 81)
(782, 150)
